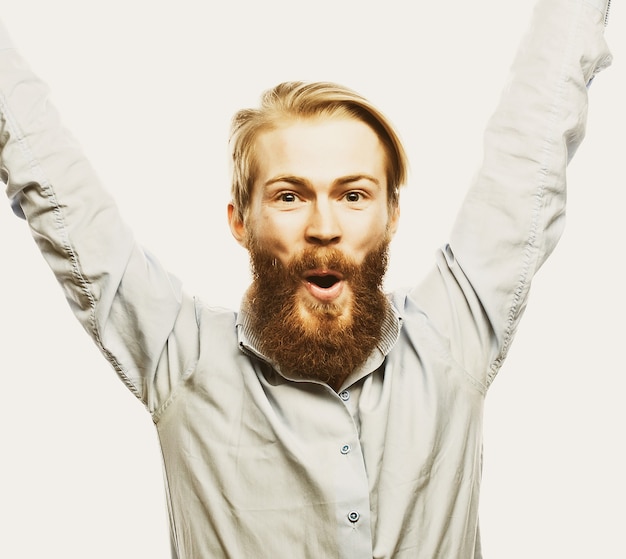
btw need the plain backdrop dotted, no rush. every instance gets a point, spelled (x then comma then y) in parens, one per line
(149, 88)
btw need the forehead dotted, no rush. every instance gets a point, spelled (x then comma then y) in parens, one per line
(321, 149)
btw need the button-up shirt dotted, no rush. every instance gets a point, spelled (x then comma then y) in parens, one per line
(258, 463)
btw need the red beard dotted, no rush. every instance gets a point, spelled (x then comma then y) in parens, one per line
(333, 340)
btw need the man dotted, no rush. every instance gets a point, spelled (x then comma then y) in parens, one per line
(324, 419)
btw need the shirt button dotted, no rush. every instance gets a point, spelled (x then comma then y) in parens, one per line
(344, 395)
(345, 449)
(353, 516)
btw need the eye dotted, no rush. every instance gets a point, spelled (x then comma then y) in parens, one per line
(285, 200)
(354, 196)
(287, 197)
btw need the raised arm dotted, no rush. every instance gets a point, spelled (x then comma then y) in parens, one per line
(513, 215)
(130, 306)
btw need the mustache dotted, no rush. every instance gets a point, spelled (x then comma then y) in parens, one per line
(269, 268)
(316, 258)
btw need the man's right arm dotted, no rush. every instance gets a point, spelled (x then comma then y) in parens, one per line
(134, 310)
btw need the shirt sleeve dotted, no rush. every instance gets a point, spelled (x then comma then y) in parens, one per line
(134, 310)
(513, 214)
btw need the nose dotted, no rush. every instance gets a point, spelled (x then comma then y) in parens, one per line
(323, 227)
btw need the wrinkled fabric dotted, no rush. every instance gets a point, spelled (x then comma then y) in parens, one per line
(258, 464)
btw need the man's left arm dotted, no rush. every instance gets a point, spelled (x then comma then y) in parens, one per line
(514, 212)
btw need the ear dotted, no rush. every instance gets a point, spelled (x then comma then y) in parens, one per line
(394, 220)
(237, 227)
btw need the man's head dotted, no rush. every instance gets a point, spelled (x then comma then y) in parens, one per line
(315, 201)
(292, 101)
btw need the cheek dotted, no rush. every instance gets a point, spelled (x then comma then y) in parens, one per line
(275, 234)
(370, 232)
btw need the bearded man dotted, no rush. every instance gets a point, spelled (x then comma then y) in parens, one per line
(325, 419)
(315, 201)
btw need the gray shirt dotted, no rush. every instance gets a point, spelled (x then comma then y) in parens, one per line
(258, 464)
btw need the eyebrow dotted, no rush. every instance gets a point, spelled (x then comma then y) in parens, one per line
(295, 180)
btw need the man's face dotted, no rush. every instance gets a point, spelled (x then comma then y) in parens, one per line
(320, 183)
(317, 230)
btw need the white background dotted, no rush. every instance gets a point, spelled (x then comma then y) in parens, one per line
(149, 88)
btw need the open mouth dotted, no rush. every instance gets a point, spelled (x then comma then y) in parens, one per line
(324, 285)
(325, 281)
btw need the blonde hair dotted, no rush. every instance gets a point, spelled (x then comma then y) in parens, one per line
(307, 100)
